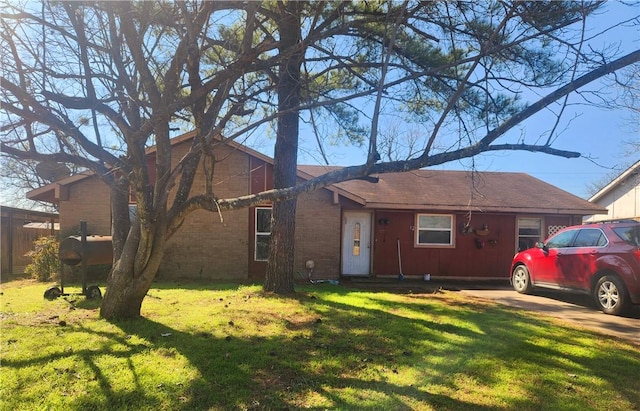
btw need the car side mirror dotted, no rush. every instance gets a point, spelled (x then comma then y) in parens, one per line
(542, 246)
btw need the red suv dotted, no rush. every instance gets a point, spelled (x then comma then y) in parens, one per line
(601, 259)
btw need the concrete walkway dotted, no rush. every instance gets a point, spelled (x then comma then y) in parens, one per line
(576, 309)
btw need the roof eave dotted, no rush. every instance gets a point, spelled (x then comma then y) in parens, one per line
(54, 192)
(614, 183)
(334, 189)
(492, 209)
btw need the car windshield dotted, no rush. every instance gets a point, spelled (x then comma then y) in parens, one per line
(629, 234)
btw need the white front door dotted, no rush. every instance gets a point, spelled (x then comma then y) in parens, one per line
(356, 243)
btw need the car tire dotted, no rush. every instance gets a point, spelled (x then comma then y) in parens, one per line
(611, 295)
(521, 280)
(52, 293)
(93, 292)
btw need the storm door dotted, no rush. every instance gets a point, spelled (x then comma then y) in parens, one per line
(356, 243)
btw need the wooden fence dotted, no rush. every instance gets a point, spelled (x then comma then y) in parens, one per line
(19, 229)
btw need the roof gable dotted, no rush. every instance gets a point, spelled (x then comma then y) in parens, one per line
(51, 192)
(634, 169)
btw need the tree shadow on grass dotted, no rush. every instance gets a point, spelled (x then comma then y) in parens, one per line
(349, 350)
(277, 372)
(488, 344)
(69, 364)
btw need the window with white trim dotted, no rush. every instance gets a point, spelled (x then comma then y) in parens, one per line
(434, 230)
(529, 232)
(133, 211)
(263, 233)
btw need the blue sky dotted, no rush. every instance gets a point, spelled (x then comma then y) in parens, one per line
(597, 133)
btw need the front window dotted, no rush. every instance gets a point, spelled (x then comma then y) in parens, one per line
(529, 232)
(263, 233)
(434, 230)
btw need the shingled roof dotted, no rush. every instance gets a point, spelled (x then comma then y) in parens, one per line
(419, 189)
(463, 190)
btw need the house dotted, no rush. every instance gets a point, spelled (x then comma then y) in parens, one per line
(621, 197)
(449, 224)
(19, 229)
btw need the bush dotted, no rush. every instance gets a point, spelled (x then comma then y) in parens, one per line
(45, 263)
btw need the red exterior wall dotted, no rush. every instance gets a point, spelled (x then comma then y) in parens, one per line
(553, 223)
(473, 256)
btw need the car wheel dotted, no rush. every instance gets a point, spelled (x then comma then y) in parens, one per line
(611, 295)
(52, 293)
(93, 292)
(521, 280)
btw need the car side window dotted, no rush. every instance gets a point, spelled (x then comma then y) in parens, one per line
(590, 237)
(629, 234)
(562, 240)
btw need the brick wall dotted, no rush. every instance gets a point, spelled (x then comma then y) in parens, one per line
(207, 247)
(210, 246)
(89, 200)
(318, 234)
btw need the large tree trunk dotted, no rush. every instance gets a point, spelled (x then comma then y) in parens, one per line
(123, 298)
(138, 250)
(279, 276)
(130, 279)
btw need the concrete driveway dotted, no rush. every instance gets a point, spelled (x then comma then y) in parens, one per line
(577, 309)
(572, 308)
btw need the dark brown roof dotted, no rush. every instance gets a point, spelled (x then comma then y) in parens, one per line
(421, 189)
(463, 190)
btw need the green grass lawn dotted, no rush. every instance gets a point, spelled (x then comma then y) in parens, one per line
(226, 346)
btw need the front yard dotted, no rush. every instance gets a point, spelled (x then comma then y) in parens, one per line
(229, 346)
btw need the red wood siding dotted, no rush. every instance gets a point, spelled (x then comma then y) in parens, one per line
(473, 255)
(261, 175)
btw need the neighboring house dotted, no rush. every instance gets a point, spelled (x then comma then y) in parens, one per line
(621, 197)
(451, 224)
(20, 228)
